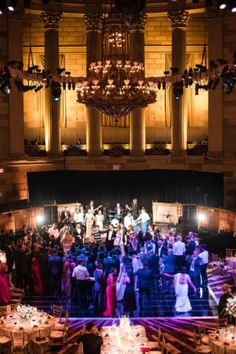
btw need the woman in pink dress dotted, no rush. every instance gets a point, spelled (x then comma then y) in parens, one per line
(38, 285)
(111, 295)
(5, 296)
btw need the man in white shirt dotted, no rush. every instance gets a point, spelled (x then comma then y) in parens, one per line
(179, 250)
(128, 220)
(204, 255)
(143, 219)
(81, 274)
(79, 215)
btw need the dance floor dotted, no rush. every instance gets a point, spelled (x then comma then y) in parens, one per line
(177, 328)
(161, 306)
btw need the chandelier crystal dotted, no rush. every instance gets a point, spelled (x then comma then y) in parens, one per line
(115, 85)
(116, 88)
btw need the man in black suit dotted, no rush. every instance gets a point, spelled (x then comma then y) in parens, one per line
(111, 235)
(145, 280)
(91, 340)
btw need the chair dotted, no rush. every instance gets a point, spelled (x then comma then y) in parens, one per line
(19, 341)
(229, 252)
(57, 311)
(234, 276)
(199, 346)
(5, 345)
(60, 326)
(221, 322)
(5, 310)
(40, 343)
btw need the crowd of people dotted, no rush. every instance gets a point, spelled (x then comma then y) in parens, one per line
(99, 264)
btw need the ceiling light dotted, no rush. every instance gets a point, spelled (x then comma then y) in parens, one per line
(56, 91)
(12, 5)
(222, 4)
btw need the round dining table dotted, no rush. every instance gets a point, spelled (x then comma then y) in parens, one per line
(223, 341)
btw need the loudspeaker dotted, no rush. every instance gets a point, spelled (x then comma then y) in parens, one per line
(51, 214)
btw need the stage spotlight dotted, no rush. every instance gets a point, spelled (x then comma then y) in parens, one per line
(5, 86)
(201, 217)
(228, 85)
(39, 219)
(3, 4)
(12, 5)
(38, 88)
(222, 4)
(56, 91)
(232, 4)
(178, 90)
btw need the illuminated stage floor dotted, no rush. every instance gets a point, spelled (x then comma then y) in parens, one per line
(161, 305)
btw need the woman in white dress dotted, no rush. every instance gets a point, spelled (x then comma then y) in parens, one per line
(120, 284)
(89, 220)
(99, 219)
(181, 283)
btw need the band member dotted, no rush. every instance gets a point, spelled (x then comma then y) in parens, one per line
(78, 233)
(91, 205)
(143, 219)
(134, 208)
(118, 211)
(89, 220)
(128, 220)
(65, 215)
(97, 235)
(111, 235)
(79, 215)
(99, 219)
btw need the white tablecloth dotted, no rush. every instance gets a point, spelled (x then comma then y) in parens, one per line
(224, 342)
(13, 323)
(128, 340)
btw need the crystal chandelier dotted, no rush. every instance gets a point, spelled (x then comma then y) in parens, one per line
(115, 85)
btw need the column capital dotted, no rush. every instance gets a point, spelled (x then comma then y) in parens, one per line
(141, 21)
(51, 19)
(178, 18)
(93, 21)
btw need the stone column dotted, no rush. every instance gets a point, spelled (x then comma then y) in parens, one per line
(94, 53)
(16, 111)
(215, 97)
(137, 118)
(178, 20)
(51, 19)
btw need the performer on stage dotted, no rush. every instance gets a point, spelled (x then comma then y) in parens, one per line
(65, 216)
(143, 219)
(79, 215)
(128, 220)
(89, 220)
(134, 208)
(111, 235)
(118, 211)
(99, 219)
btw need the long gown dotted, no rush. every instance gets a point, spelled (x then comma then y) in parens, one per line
(182, 303)
(110, 297)
(38, 285)
(5, 296)
(120, 285)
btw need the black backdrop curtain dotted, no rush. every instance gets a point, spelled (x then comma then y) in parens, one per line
(110, 187)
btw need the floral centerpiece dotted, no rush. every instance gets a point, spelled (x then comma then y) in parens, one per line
(26, 312)
(231, 306)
